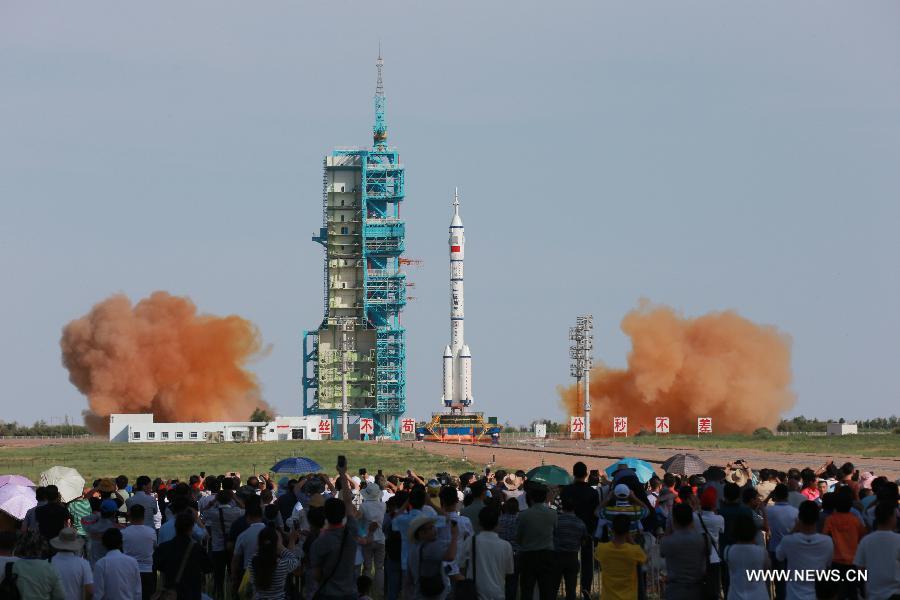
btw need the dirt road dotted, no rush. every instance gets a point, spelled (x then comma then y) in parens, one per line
(603, 454)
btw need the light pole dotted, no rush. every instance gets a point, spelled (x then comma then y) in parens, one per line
(346, 324)
(582, 336)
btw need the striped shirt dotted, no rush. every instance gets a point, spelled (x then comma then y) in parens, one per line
(79, 509)
(634, 512)
(287, 562)
(569, 531)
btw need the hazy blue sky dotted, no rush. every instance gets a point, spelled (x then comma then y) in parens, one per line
(705, 155)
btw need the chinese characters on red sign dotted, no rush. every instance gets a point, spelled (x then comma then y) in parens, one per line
(577, 425)
(620, 425)
(704, 425)
(662, 424)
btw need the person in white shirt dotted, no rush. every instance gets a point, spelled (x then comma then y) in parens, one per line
(245, 545)
(74, 572)
(464, 528)
(781, 517)
(139, 542)
(493, 558)
(218, 518)
(744, 555)
(805, 549)
(372, 511)
(143, 496)
(116, 575)
(879, 554)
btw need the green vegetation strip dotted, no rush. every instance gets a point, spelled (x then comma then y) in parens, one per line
(179, 460)
(856, 445)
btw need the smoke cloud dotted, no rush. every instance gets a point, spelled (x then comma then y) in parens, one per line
(719, 365)
(160, 356)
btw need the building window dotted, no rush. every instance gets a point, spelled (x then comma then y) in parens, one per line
(271, 431)
(151, 435)
(342, 218)
(179, 435)
(164, 435)
(135, 435)
(343, 231)
(193, 435)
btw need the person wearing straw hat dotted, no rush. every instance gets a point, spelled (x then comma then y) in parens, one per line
(75, 573)
(426, 556)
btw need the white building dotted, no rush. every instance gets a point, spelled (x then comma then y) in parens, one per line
(841, 429)
(142, 428)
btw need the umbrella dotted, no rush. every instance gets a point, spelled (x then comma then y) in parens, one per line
(549, 475)
(685, 464)
(641, 468)
(15, 500)
(15, 480)
(296, 464)
(68, 480)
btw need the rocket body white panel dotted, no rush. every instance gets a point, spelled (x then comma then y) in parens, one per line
(448, 375)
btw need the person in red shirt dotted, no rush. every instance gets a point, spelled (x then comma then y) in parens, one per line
(846, 530)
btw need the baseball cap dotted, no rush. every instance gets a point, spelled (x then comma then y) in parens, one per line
(108, 506)
(622, 491)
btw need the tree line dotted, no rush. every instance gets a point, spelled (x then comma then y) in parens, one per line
(41, 428)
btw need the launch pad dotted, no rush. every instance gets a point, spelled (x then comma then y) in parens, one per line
(457, 426)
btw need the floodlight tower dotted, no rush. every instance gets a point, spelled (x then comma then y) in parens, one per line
(582, 336)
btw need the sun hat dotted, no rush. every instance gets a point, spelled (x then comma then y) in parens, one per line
(371, 493)
(67, 540)
(417, 524)
(622, 491)
(108, 506)
(511, 482)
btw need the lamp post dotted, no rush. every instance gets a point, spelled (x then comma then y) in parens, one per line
(582, 336)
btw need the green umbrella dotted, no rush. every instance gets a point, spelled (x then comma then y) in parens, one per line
(549, 475)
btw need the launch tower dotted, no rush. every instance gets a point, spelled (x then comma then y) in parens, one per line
(355, 362)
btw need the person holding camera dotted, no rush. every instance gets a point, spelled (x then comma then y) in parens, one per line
(426, 557)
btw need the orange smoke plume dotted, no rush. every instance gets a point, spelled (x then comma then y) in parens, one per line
(719, 365)
(160, 356)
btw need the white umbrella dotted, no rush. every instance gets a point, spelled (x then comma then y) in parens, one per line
(69, 482)
(15, 500)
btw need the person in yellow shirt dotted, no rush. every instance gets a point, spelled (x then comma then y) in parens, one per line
(619, 560)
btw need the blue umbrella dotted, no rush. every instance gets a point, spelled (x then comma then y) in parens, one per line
(641, 468)
(296, 464)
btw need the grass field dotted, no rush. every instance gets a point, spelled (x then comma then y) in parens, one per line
(856, 445)
(103, 459)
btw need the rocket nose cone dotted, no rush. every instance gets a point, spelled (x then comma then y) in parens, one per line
(465, 351)
(447, 352)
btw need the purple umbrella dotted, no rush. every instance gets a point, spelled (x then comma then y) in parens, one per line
(16, 480)
(15, 500)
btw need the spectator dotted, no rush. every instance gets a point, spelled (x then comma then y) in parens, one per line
(96, 526)
(686, 552)
(477, 492)
(142, 495)
(332, 554)
(74, 572)
(846, 531)
(781, 517)
(219, 517)
(139, 542)
(372, 510)
(586, 502)
(568, 538)
(180, 505)
(623, 502)
(272, 564)
(400, 524)
(426, 556)
(53, 515)
(879, 554)
(743, 556)
(506, 530)
(534, 535)
(182, 561)
(449, 502)
(245, 545)
(711, 525)
(80, 508)
(619, 560)
(116, 575)
(494, 562)
(122, 492)
(805, 549)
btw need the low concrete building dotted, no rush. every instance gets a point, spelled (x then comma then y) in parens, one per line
(139, 428)
(841, 429)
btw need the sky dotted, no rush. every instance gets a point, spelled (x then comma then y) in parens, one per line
(703, 155)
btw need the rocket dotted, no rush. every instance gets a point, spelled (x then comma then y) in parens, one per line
(457, 388)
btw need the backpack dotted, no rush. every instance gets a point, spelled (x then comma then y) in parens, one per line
(8, 588)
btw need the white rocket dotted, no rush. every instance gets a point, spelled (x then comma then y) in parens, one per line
(457, 392)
